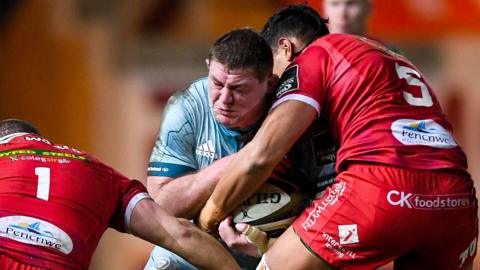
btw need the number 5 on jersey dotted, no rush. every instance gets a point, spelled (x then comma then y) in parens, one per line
(404, 72)
(43, 186)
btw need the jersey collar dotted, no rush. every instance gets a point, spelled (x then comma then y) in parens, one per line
(8, 138)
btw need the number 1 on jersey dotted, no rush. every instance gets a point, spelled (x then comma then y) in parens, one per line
(43, 187)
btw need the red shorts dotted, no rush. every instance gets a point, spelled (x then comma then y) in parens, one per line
(376, 214)
(10, 263)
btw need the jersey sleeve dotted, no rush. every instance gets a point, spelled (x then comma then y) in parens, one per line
(305, 79)
(131, 192)
(173, 153)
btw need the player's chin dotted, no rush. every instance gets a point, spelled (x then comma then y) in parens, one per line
(228, 122)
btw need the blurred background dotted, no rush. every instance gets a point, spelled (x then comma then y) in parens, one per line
(96, 74)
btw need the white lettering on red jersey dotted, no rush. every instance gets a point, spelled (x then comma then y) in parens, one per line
(56, 202)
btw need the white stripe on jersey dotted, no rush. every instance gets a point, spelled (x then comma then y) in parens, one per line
(6, 139)
(131, 204)
(310, 101)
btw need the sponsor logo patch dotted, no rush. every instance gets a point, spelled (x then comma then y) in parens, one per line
(207, 149)
(348, 234)
(468, 253)
(288, 81)
(429, 202)
(36, 232)
(422, 132)
(40, 159)
(336, 247)
(61, 147)
(161, 169)
(44, 153)
(327, 200)
(324, 148)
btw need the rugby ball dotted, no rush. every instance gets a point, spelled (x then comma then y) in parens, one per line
(272, 208)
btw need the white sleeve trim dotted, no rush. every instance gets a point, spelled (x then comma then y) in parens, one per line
(6, 139)
(306, 99)
(131, 205)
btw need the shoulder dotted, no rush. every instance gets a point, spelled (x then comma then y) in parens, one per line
(193, 96)
(200, 83)
(316, 54)
(315, 60)
(185, 109)
(197, 89)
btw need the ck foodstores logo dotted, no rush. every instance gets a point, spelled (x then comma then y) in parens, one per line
(429, 202)
(400, 198)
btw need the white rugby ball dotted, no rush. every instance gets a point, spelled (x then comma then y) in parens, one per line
(272, 208)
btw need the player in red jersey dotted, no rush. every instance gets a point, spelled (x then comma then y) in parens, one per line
(56, 202)
(402, 193)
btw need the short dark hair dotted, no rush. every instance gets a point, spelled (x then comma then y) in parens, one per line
(243, 49)
(297, 20)
(11, 126)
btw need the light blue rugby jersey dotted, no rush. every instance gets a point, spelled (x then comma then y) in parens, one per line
(190, 138)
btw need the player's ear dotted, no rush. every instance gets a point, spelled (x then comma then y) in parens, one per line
(285, 48)
(207, 62)
(272, 82)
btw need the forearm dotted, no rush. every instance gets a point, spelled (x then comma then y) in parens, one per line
(246, 173)
(186, 195)
(153, 224)
(254, 163)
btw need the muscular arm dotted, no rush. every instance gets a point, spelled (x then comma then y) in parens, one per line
(186, 195)
(151, 223)
(255, 162)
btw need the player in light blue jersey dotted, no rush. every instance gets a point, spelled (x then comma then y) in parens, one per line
(211, 119)
(190, 137)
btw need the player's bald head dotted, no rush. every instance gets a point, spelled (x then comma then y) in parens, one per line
(11, 126)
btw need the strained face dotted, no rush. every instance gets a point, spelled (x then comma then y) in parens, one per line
(237, 96)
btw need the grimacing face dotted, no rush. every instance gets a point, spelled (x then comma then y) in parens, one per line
(347, 16)
(237, 97)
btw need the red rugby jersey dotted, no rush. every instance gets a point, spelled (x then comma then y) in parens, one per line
(380, 108)
(56, 202)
